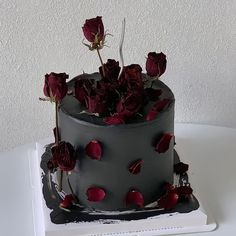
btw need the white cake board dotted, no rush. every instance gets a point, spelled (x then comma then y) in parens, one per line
(167, 224)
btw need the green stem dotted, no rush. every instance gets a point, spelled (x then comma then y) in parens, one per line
(100, 58)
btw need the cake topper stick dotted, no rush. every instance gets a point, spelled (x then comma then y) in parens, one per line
(121, 46)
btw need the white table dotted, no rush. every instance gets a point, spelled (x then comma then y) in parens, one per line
(210, 151)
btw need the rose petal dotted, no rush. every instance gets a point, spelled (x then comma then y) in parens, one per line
(135, 197)
(67, 202)
(161, 105)
(95, 194)
(114, 120)
(168, 201)
(135, 167)
(168, 187)
(163, 145)
(94, 150)
(151, 115)
(180, 168)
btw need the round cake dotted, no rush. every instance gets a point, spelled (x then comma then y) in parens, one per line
(123, 146)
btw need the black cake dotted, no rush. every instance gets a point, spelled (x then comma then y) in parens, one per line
(122, 145)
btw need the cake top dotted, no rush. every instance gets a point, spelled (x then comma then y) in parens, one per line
(159, 94)
(119, 94)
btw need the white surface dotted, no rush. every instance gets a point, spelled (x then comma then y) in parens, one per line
(209, 150)
(40, 36)
(195, 221)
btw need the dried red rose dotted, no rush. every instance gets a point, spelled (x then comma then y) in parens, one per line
(64, 156)
(95, 194)
(163, 145)
(130, 104)
(55, 86)
(135, 167)
(131, 77)
(94, 150)
(96, 102)
(155, 64)
(112, 70)
(180, 168)
(83, 87)
(114, 120)
(135, 197)
(168, 201)
(67, 202)
(94, 30)
(184, 192)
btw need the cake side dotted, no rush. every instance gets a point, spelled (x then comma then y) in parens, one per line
(122, 145)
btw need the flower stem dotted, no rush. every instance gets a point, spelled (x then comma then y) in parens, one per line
(100, 58)
(57, 131)
(70, 187)
(60, 181)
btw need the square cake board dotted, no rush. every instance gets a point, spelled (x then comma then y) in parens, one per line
(166, 224)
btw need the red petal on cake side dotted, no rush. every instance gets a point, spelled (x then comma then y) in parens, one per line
(180, 168)
(151, 115)
(135, 197)
(135, 167)
(67, 202)
(95, 194)
(94, 150)
(168, 187)
(168, 201)
(114, 120)
(163, 145)
(161, 105)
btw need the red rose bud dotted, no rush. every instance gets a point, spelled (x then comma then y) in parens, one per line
(67, 202)
(155, 64)
(130, 104)
(95, 194)
(94, 150)
(180, 168)
(96, 102)
(135, 197)
(82, 88)
(114, 120)
(55, 86)
(163, 145)
(168, 201)
(112, 70)
(131, 77)
(151, 115)
(64, 156)
(135, 167)
(94, 30)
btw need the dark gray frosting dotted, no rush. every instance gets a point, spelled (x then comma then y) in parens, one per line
(122, 144)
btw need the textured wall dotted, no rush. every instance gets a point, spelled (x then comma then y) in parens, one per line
(39, 36)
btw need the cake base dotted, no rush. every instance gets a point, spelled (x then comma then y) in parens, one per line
(186, 217)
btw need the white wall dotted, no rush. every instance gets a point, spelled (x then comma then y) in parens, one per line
(40, 36)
